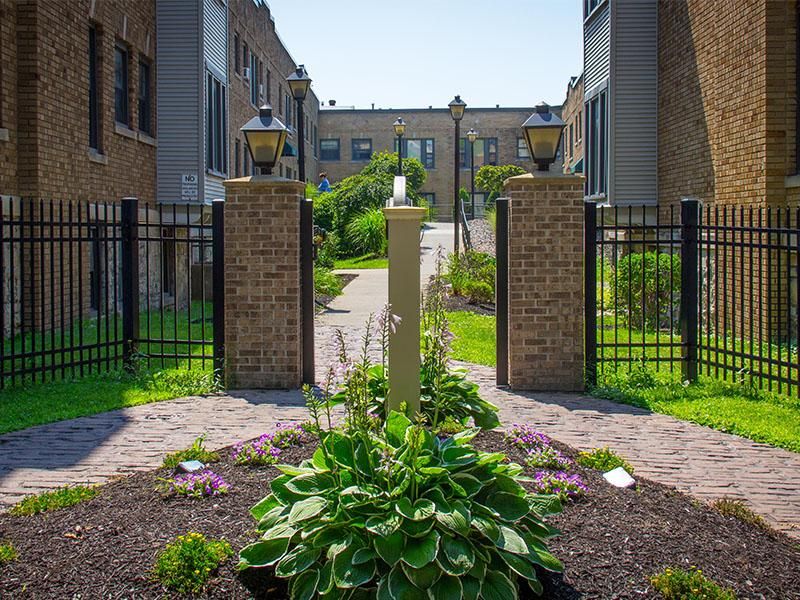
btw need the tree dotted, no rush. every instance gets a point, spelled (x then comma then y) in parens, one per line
(490, 178)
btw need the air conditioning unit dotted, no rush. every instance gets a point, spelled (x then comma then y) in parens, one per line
(246, 72)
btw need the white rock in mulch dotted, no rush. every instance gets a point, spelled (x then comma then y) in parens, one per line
(190, 466)
(620, 478)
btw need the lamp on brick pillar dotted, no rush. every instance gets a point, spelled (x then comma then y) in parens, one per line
(457, 107)
(543, 131)
(266, 136)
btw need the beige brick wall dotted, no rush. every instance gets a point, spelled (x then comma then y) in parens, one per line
(501, 123)
(262, 283)
(572, 115)
(546, 282)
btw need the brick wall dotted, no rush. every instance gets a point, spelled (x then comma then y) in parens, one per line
(8, 97)
(262, 283)
(572, 115)
(546, 282)
(345, 125)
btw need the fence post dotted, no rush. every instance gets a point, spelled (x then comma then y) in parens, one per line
(307, 288)
(130, 280)
(689, 284)
(501, 290)
(590, 289)
(218, 283)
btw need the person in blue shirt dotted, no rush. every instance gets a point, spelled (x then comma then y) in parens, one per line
(324, 184)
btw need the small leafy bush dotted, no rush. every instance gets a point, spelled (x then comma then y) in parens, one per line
(7, 553)
(732, 507)
(472, 275)
(186, 565)
(479, 292)
(603, 460)
(637, 306)
(450, 427)
(197, 485)
(366, 232)
(491, 178)
(197, 451)
(401, 512)
(560, 484)
(547, 458)
(678, 584)
(62, 497)
(327, 283)
(266, 450)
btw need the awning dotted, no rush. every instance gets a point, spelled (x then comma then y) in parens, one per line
(577, 167)
(289, 149)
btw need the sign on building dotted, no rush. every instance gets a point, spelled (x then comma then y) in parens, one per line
(189, 187)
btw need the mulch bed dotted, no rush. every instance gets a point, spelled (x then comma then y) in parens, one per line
(323, 300)
(612, 540)
(454, 303)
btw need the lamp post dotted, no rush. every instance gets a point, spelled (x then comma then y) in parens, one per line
(457, 107)
(399, 131)
(472, 135)
(543, 131)
(266, 136)
(299, 82)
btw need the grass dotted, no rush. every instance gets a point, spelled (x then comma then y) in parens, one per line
(677, 584)
(733, 406)
(368, 261)
(731, 507)
(59, 498)
(475, 340)
(196, 451)
(7, 552)
(40, 403)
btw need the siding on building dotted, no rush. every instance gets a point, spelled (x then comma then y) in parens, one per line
(215, 59)
(597, 50)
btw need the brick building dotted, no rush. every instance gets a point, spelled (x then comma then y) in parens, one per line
(349, 136)
(572, 115)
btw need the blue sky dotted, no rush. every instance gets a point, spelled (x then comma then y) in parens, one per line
(416, 53)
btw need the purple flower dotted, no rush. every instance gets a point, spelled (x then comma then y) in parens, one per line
(547, 457)
(525, 437)
(197, 485)
(266, 449)
(561, 484)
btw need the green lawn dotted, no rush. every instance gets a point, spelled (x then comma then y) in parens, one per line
(368, 261)
(734, 407)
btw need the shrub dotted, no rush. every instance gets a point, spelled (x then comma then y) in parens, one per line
(560, 484)
(62, 497)
(197, 485)
(603, 459)
(490, 178)
(638, 307)
(327, 283)
(731, 507)
(327, 250)
(196, 451)
(678, 584)
(7, 553)
(186, 565)
(472, 275)
(366, 232)
(399, 513)
(268, 447)
(479, 292)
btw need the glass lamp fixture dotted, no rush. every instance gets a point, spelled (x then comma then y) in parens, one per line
(457, 107)
(266, 136)
(543, 131)
(472, 135)
(299, 82)
(399, 127)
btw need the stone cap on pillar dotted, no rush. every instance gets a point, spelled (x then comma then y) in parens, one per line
(539, 178)
(405, 213)
(268, 181)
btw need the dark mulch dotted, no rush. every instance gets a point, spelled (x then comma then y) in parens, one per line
(453, 303)
(611, 541)
(323, 300)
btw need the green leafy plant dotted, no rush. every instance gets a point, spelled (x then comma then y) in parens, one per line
(327, 283)
(733, 507)
(472, 275)
(62, 497)
(645, 288)
(400, 512)
(186, 565)
(603, 459)
(679, 584)
(197, 451)
(366, 232)
(490, 178)
(7, 552)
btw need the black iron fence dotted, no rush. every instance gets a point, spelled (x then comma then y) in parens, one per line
(694, 291)
(97, 286)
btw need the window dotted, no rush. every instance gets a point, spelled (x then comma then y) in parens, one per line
(485, 153)
(571, 139)
(246, 157)
(121, 111)
(237, 158)
(314, 141)
(596, 146)
(237, 57)
(421, 149)
(216, 127)
(94, 91)
(245, 56)
(522, 149)
(260, 82)
(589, 6)
(253, 79)
(287, 109)
(579, 126)
(145, 98)
(269, 85)
(280, 95)
(362, 149)
(329, 149)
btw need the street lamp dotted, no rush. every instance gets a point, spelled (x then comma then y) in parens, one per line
(543, 132)
(299, 82)
(265, 136)
(457, 107)
(472, 135)
(399, 131)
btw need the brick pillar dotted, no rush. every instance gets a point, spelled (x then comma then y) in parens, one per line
(262, 282)
(545, 316)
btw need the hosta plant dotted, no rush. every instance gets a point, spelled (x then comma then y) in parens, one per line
(402, 514)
